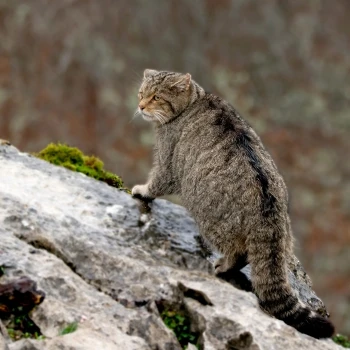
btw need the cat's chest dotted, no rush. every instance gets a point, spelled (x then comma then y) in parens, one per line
(165, 145)
(172, 145)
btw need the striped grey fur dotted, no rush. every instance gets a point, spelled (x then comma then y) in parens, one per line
(212, 158)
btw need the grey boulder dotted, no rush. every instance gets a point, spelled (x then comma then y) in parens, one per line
(111, 265)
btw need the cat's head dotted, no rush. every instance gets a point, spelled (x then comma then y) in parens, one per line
(164, 95)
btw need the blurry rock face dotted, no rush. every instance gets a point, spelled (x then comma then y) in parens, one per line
(112, 269)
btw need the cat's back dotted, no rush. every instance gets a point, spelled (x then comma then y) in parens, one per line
(219, 156)
(209, 134)
(210, 121)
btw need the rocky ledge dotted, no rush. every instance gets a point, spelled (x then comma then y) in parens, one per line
(117, 271)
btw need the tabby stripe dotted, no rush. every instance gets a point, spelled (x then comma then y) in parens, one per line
(197, 92)
(171, 106)
(280, 306)
(298, 317)
(166, 76)
(268, 206)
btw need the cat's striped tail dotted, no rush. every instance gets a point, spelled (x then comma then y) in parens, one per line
(267, 256)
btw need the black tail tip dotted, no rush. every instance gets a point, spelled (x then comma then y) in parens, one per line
(317, 327)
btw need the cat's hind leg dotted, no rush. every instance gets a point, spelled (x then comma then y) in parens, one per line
(230, 263)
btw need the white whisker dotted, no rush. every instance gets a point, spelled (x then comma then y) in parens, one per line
(161, 116)
(136, 114)
(158, 117)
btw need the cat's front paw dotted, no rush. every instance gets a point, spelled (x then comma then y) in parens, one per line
(141, 192)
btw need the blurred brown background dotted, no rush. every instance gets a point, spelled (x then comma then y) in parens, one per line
(70, 70)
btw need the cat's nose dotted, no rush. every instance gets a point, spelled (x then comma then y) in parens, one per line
(141, 106)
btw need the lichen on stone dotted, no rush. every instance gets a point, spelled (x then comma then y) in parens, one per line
(74, 159)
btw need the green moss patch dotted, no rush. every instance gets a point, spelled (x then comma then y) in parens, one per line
(21, 326)
(72, 158)
(72, 327)
(342, 340)
(180, 324)
(18, 297)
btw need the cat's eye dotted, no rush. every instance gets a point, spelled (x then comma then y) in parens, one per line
(156, 98)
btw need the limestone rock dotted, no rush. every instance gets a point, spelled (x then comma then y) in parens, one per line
(3, 345)
(110, 267)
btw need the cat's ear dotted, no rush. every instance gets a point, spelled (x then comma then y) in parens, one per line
(149, 72)
(184, 82)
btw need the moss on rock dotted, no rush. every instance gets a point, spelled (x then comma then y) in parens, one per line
(74, 159)
(342, 340)
(180, 324)
(22, 326)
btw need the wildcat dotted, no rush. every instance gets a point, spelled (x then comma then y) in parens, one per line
(213, 159)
